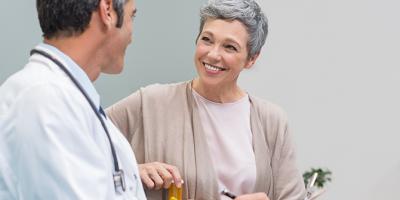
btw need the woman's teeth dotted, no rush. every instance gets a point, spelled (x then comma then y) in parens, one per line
(213, 68)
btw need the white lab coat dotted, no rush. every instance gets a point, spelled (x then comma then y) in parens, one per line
(52, 145)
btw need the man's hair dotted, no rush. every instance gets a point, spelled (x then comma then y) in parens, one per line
(70, 17)
(247, 12)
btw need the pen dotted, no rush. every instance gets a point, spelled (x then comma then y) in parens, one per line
(313, 179)
(310, 185)
(228, 194)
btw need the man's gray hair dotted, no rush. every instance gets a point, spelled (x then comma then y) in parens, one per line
(247, 12)
(119, 8)
(71, 17)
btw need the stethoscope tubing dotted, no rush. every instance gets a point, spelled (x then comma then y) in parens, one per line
(95, 110)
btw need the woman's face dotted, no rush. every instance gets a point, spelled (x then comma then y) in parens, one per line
(221, 52)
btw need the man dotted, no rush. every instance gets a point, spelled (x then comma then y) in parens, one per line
(55, 140)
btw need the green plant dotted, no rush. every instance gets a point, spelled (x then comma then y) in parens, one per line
(323, 177)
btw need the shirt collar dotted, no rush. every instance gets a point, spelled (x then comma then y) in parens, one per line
(75, 71)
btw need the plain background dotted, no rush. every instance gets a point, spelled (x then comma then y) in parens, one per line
(332, 65)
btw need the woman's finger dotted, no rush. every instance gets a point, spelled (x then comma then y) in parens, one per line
(146, 180)
(175, 175)
(165, 175)
(156, 175)
(158, 181)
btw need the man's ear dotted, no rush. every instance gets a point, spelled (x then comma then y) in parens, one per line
(105, 12)
(251, 61)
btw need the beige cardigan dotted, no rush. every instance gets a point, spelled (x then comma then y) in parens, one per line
(162, 124)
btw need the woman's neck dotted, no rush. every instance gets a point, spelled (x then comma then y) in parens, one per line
(218, 93)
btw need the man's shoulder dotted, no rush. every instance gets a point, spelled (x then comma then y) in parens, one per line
(32, 74)
(34, 84)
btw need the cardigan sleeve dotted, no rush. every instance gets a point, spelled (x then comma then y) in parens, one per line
(126, 114)
(289, 184)
(287, 181)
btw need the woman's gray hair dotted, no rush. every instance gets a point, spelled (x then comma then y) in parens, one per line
(247, 12)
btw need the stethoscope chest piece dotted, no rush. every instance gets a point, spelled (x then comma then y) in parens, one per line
(119, 180)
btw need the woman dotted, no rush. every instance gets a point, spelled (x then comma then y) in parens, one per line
(218, 136)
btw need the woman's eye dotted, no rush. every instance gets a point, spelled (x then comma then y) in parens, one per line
(231, 47)
(205, 39)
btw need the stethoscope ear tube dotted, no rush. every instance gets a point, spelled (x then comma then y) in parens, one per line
(118, 175)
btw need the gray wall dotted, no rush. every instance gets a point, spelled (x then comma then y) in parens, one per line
(332, 65)
(162, 51)
(19, 33)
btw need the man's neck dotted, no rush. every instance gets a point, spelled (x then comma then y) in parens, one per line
(81, 51)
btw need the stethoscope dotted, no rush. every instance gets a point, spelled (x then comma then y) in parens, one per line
(118, 174)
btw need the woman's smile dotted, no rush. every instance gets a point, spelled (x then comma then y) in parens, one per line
(212, 69)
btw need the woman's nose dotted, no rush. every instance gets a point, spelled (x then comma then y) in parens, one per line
(214, 53)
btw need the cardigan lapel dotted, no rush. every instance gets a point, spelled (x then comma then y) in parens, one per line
(261, 152)
(206, 182)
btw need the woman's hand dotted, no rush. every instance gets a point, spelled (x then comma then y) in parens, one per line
(254, 196)
(158, 175)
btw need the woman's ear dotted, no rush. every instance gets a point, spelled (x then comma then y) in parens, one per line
(106, 12)
(251, 61)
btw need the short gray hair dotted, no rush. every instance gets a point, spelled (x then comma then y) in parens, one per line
(247, 12)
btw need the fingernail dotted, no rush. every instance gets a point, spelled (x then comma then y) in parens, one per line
(180, 184)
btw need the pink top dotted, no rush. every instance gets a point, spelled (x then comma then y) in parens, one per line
(229, 138)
